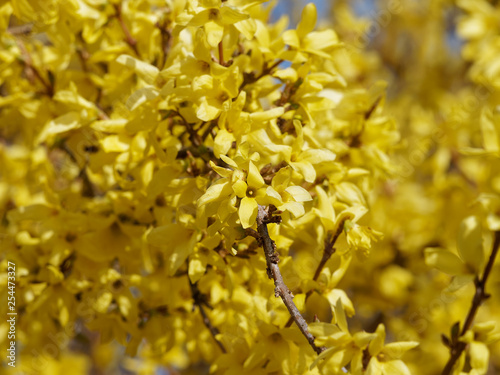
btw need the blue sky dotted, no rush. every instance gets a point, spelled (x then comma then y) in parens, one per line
(284, 7)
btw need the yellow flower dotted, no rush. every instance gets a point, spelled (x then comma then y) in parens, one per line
(305, 41)
(245, 182)
(214, 16)
(469, 263)
(386, 359)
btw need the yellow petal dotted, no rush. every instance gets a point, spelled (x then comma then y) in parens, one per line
(222, 142)
(306, 169)
(470, 243)
(196, 269)
(270, 192)
(340, 316)
(247, 27)
(115, 143)
(223, 172)
(254, 179)
(264, 116)
(395, 350)
(295, 208)
(307, 21)
(325, 209)
(146, 71)
(444, 261)
(141, 96)
(215, 32)
(230, 16)
(491, 135)
(207, 111)
(318, 41)
(240, 188)
(397, 367)
(248, 212)
(377, 344)
(479, 357)
(315, 156)
(219, 190)
(59, 125)
(110, 126)
(299, 194)
(291, 38)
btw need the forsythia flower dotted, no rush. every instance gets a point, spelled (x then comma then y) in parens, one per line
(184, 184)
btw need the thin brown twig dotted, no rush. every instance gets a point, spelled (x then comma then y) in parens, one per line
(83, 56)
(199, 300)
(328, 251)
(20, 29)
(166, 43)
(32, 72)
(194, 137)
(89, 189)
(457, 347)
(131, 41)
(249, 78)
(264, 217)
(221, 54)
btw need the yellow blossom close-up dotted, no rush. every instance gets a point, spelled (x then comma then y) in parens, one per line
(250, 187)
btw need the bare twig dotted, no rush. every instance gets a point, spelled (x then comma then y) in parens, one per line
(194, 137)
(21, 29)
(249, 78)
(166, 43)
(131, 41)
(199, 300)
(32, 73)
(328, 251)
(457, 347)
(264, 217)
(83, 56)
(221, 54)
(89, 189)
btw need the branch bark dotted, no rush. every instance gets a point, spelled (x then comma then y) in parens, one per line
(131, 41)
(265, 217)
(328, 251)
(32, 72)
(221, 54)
(457, 347)
(199, 300)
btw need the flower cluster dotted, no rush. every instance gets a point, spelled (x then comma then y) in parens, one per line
(149, 149)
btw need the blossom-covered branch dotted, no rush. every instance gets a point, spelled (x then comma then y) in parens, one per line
(328, 251)
(456, 346)
(199, 300)
(264, 217)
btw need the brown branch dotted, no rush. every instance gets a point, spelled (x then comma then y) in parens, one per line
(200, 300)
(88, 189)
(328, 251)
(83, 56)
(20, 29)
(221, 54)
(31, 72)
(208, 130)
(264, 217)
(457, 347)
(249, 78)
(131, 41)
(288, 91)
(166, 43)
(194, 137)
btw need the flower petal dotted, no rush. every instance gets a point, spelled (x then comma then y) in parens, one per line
(248, 212)
(470, 243)
(299, 194)
(444, 261)
(254, 179)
